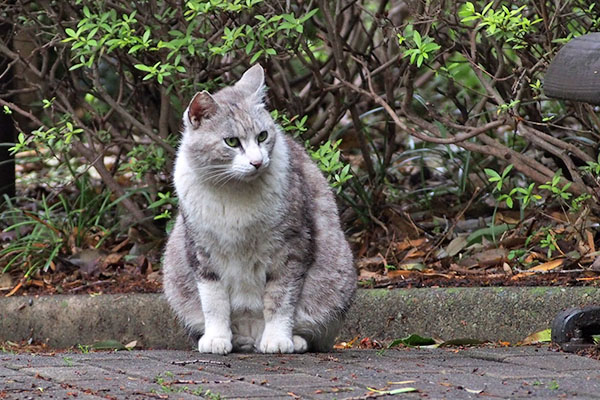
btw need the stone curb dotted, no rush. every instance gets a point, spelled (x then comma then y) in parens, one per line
(500, 313)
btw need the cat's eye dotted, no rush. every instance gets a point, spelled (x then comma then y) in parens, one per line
(232, 142)
(262, 136)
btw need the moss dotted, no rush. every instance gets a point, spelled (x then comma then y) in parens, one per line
(377, 294)
(542, 291)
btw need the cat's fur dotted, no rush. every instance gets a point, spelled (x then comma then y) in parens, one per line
(257, 259)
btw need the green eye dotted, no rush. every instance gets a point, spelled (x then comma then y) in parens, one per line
(232, 142)
(262, 136)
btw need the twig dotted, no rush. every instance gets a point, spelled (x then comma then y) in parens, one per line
(198, 361)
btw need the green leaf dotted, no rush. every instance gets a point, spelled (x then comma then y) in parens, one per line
(71, 32)
(543, 336)
(494, 230)
(143, 67)
(412, 340)
(494, 176)
(417, 38)
(249, 46)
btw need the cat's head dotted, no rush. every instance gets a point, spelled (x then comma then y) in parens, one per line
(229, 135)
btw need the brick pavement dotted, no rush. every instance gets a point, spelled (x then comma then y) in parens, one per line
(504, 373)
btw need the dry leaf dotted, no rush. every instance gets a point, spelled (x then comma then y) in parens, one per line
(590, 241)
(456, 245)
(6, 282)
(131, 345)
(548, 266)
(400, 273)
(370, 263)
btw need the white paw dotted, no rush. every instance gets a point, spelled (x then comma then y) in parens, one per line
(300, 345)
(215, 345)
(276, 344)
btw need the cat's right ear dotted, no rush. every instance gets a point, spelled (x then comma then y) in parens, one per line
(201, 107)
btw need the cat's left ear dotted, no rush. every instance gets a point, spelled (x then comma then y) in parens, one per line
(253, 81)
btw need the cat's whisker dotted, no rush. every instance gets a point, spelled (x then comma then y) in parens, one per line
(225, 178)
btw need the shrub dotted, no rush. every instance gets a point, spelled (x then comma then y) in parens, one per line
(414, 89)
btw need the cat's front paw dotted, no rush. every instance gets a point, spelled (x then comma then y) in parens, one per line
(214, 345)
(276, 344)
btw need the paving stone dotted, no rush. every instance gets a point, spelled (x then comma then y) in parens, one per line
(69, 374)
(20, 361)
(508, 371)
(51, 394)
(493, 354)
(144, 367)
(26, 382)
(505, 373)
(562, 362)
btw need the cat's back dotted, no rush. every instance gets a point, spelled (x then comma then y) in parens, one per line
(308, 182)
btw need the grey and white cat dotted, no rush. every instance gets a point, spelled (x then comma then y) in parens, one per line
(257, 259)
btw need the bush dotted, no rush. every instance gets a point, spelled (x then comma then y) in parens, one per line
(419, 91)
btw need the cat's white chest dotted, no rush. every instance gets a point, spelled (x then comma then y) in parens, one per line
(244, 280)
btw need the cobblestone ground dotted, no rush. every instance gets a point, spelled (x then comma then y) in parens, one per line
(505, 373)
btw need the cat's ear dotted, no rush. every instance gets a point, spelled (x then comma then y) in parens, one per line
(253, 81)
(201, 107)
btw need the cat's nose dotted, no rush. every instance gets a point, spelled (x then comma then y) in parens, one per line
(256, 164)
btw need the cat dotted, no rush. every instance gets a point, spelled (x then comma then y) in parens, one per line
(257, 259)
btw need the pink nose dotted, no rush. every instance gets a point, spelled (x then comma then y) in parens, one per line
(256, 164)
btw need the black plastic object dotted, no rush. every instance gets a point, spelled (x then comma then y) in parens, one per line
(574, 74)
(573, 329)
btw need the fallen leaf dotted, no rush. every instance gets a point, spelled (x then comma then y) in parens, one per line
(396, 273)
(87, 260)
(456, 245)
(590, 241)
(6, 282)
(494, 230)
(412, 340)
(410, 243)
(154, 276)
(131, 345)
(370, 263)
(393, 391)
(112, 258)
(412, 266)
(485, 259)
(548, 266)
(543, 336)
(596, 264)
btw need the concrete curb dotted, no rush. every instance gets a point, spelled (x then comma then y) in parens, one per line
(501, 313)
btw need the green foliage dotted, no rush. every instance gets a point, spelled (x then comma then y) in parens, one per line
(592, 167)
(295, 126)
(419, 49)
(58, 226)
(498, 179)
(556, 189)
(508, 24)
(327, 157)
(165, 202)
